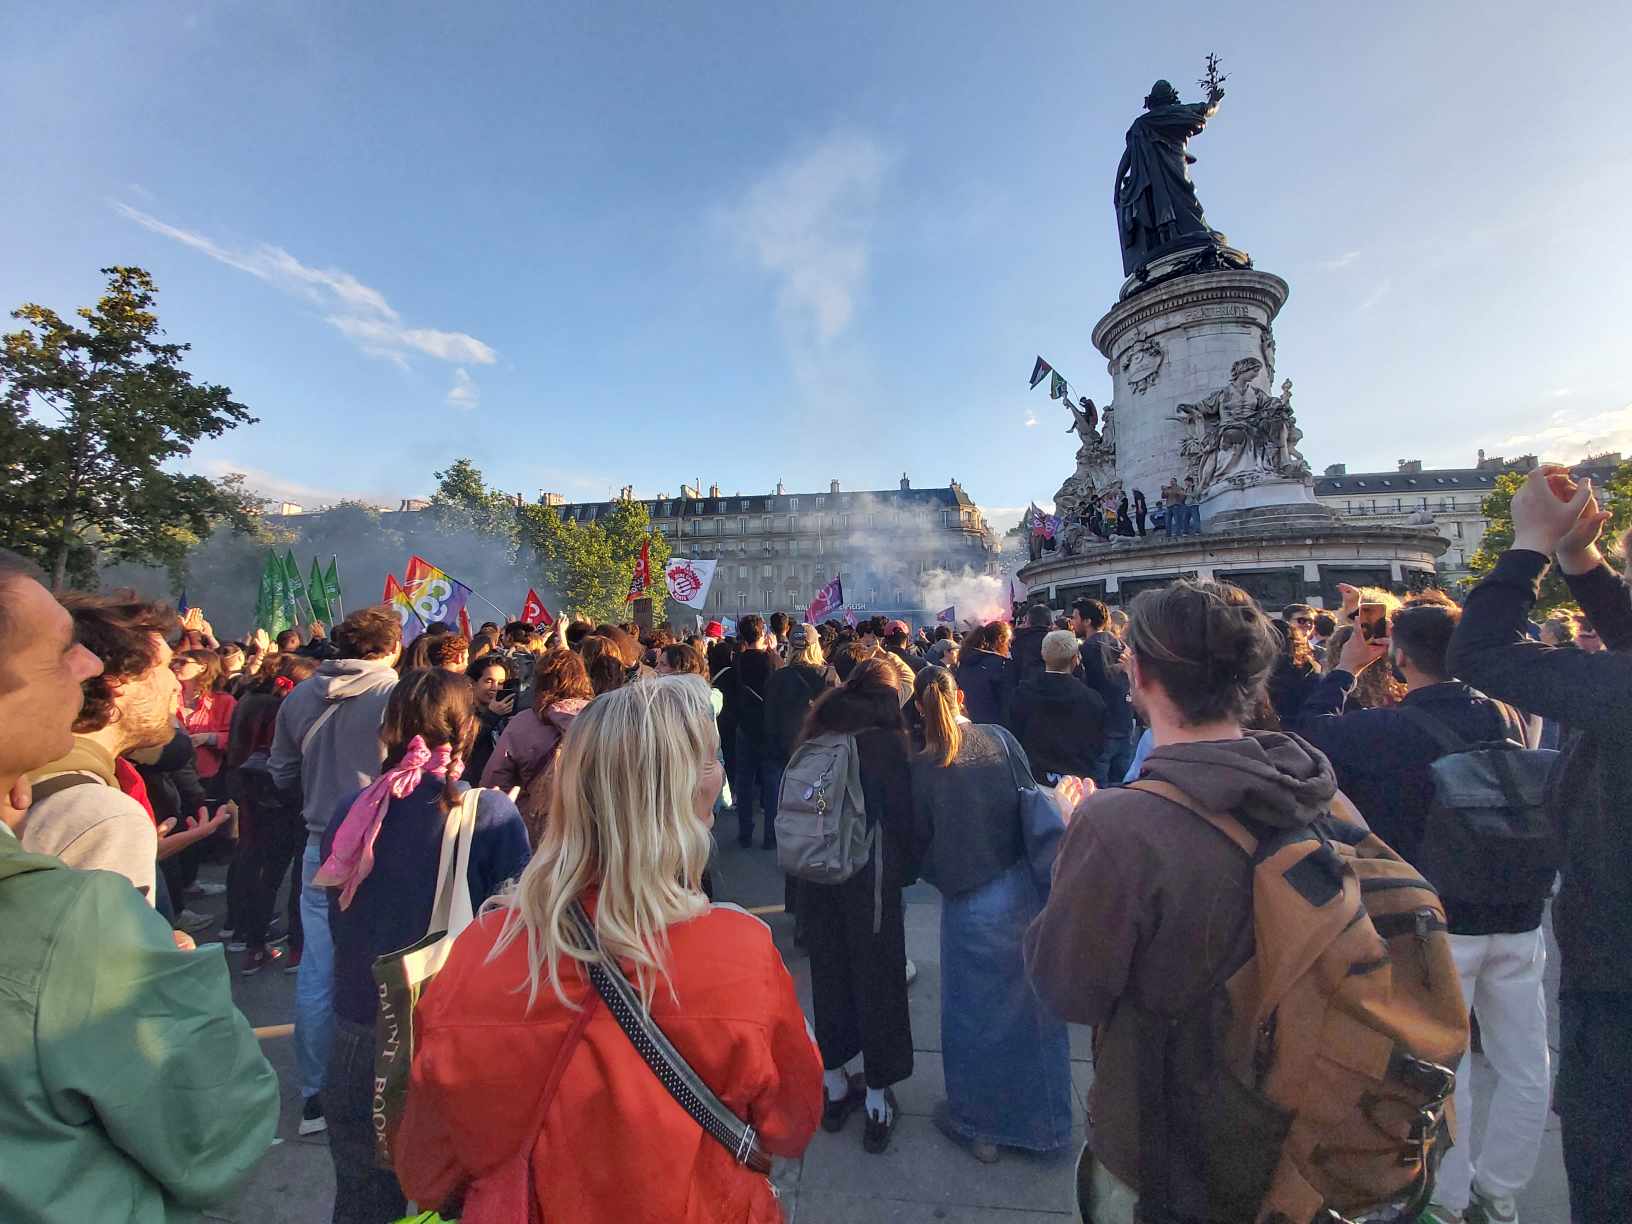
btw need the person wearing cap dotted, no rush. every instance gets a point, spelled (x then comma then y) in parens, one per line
(896, 637)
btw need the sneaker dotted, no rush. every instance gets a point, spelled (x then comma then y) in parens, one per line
(1487, 1209)
(912, 972)
(836, 1113)
(227, 932)
(980, 1149)
(312, 1121)
(206, 888)
(235, 945)
(876, 1137)
(260, 959)
(192, 922)
(1437, 1214)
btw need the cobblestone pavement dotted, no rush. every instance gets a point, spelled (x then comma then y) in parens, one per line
(921, 1178)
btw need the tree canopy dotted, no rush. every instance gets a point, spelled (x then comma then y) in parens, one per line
(1615, 496)
(89, 418)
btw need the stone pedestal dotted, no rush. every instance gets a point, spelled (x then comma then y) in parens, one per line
(1174, 343)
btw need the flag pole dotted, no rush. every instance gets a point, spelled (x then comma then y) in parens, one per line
(335, 557)
(507, 617)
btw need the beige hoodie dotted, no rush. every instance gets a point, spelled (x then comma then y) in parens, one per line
(91, 824)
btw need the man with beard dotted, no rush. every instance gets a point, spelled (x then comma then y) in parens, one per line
(132, 1088)
(81, 813)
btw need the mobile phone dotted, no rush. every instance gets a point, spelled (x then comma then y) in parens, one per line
(1373, 620)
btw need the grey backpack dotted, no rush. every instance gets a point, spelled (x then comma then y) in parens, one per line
(822, 834)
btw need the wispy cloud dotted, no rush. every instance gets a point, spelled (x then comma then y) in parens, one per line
(807, 222)
(1031, 419)
(278, 488)
(1340, 261)
(464, 393)
(1569, 435)
(360, 312)
(1376, 295)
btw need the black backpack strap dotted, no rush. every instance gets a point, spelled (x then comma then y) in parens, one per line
(1447, 740)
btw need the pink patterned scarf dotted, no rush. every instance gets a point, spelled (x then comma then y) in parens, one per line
(352, 856)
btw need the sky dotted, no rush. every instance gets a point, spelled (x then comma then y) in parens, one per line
(596, 245)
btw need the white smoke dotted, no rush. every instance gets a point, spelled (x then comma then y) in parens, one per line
(972, 596)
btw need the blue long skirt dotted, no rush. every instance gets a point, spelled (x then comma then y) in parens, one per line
(1007, 1060)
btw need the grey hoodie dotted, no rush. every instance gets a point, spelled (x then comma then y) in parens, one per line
(345, 754)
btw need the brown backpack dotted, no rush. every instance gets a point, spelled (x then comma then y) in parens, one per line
(1333, 1086)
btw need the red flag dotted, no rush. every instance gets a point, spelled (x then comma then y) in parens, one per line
(392, 588)
(828, 600)
(534, 612)
(643, 572)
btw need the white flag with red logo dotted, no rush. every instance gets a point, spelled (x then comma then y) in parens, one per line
(642, 577)
(688, 580)
(534, 612)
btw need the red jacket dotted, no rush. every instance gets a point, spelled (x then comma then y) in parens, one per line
(212, 713)
(614, 1146)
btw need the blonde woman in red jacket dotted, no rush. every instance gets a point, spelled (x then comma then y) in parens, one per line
(525, 1088)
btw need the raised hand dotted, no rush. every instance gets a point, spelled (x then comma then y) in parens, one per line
(1547, 508)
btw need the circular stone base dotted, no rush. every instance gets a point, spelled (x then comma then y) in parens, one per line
(1276, 562)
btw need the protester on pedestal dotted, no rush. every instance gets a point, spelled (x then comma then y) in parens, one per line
(382, 850)
(1007, 1060)
(1141, 510)
(1058, 719)
(858, 967)
(108, 1026)
(511, 1012)
(1151, 909)
(1591, 794)
(326, 745)
(532, 739)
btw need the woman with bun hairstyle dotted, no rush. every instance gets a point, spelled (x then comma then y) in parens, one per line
(1151, 908)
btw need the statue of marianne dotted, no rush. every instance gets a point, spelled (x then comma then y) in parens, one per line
(1156, 206)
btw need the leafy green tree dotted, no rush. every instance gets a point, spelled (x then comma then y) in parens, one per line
(591, 564)
(1615, 496)
(89, 416)
(463, 502)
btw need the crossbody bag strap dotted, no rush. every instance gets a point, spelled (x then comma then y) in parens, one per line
(666, 1062)
(1227, 825)
(317, 725)
(1445, 739)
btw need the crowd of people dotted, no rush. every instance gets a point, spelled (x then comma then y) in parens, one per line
(1094, 792)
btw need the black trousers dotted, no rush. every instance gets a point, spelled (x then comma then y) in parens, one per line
(273, 844)
(858, 980)
(364, 1193)
(1592, 1094)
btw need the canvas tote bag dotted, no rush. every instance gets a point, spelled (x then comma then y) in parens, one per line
(400, 976)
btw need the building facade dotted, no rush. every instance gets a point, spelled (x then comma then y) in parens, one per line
(1449, 499)
(776, 550)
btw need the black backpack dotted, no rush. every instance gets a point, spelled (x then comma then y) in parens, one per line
(1487, 839)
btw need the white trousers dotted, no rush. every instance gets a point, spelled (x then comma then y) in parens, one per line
(1501, 980)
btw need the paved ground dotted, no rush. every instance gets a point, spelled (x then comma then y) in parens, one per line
(921, 1178)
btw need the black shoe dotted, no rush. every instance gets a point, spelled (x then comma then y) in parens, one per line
(312, 1121)
(746, 840)
(768, 842)
(877, 1135)
(836, 1113)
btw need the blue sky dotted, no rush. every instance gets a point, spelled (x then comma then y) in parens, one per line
(603, 244)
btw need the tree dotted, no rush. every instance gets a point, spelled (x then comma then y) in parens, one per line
(1615, 496)
(89, 416)
(463, 502)
(591, 563)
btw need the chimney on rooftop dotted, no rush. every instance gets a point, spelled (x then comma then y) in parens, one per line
(833, 486)
(1410, 467)
(714, 491)
(779, 488)
(905, 483)
(1337, 469)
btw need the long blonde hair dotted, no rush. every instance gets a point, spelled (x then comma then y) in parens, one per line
(622, 819)
(938, 701)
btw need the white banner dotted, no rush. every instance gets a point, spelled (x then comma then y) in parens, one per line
(688, 581)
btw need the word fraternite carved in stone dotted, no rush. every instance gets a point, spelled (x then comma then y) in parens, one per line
(1240, 434)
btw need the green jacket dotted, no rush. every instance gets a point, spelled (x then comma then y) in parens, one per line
(131, 1089)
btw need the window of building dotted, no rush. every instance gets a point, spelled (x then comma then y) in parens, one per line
(1459, 529)
(793, 503)
(765, 524)
(742, 571)
(765, 571)
(793, 522)
(770, 599)
(744, 506)
(793, 548)
(742, 601)
(821, 500)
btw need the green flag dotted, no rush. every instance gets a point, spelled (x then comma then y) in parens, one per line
(294, 589)
(272, 606)
(331, 587)
(315, 594)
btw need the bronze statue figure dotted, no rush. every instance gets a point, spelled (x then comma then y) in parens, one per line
(1157, 211)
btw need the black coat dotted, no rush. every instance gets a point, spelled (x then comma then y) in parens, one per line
(1101, 658)
(1025, 659)
(1382, 758)
(1591, 792)
(983, 677)
(788, 698)
(1060, 722)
